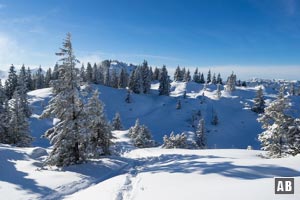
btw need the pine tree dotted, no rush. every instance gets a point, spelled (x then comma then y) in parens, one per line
(11, 82)
(292, 89)
(187, 76)
(22, 92)
(164, 83)
(214, 118)
(122, 81)
(55, 72)
(66, 105)
(259, 102)
(98, 142)
(146, 76)
(116, 122)
(293, 137)
(18, 125)
(156, 74)
(208, 80)
(39, 79)
(219, 92)
(177, 74)
(106, 80)
(82, 73)
(275, 121)
(214, 79)
(128, 97)
(196, 77)
(175, 141)
(133, 131)
(202, 80)
(3, 115)
(178, 105)
(89, 73)
(136, 81)
(29, 80)
(219, 79)
(200, 134)
(140, 135)
(114, 79)
(231, 82)
(48, 77)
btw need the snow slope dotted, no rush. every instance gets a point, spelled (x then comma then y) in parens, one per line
(237, 126)
(141, 174)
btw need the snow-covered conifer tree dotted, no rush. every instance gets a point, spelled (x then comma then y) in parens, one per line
(259, 102)
(175, 141)
(231, 82)
(39, 79)
(293, 137)
(146, 76)
(99, 131)
(187, 76)
(177, 74)
(202, 80)
(219, 79)
(66, 105)
(164, 82)
(89, 73)
(276, 122)
(196, 77)
(11, 82)
(219, 92)
(116, 122)
(200, 134)
(18, 125)
(208, 79)
(123, 79)
(178, 105)
(141, 135)
(48, 77)
(156, 74)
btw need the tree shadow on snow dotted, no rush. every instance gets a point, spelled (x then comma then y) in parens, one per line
(10, 174)
(175, 163)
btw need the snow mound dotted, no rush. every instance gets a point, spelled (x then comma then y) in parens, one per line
(38, 152)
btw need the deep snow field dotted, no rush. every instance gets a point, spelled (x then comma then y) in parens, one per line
(226, 170)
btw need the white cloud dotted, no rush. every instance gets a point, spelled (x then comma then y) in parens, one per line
(9, 51)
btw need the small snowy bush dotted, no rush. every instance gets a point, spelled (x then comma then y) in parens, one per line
(175, 141)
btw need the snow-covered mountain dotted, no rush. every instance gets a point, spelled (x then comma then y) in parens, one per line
(118, 66)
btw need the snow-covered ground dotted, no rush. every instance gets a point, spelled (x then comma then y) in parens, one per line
(152, 173)
(228, 172)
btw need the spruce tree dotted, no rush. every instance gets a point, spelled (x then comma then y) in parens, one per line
(177, 74)
(202, 80)
(219, 79)
(156, 74)
(89, 73)
(231, 82)
(66, 105)
(18, 124)
(146, 76)
(99, 141)
(219, 92)
(259, 102)
(196, 77)
(200, 134)
(276, 122)
(11, 82)
(116, 122)
(164, 82)
(208, 80)
(293, 137)
(122, 81)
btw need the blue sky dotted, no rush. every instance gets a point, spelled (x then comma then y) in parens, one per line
(242, 35)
